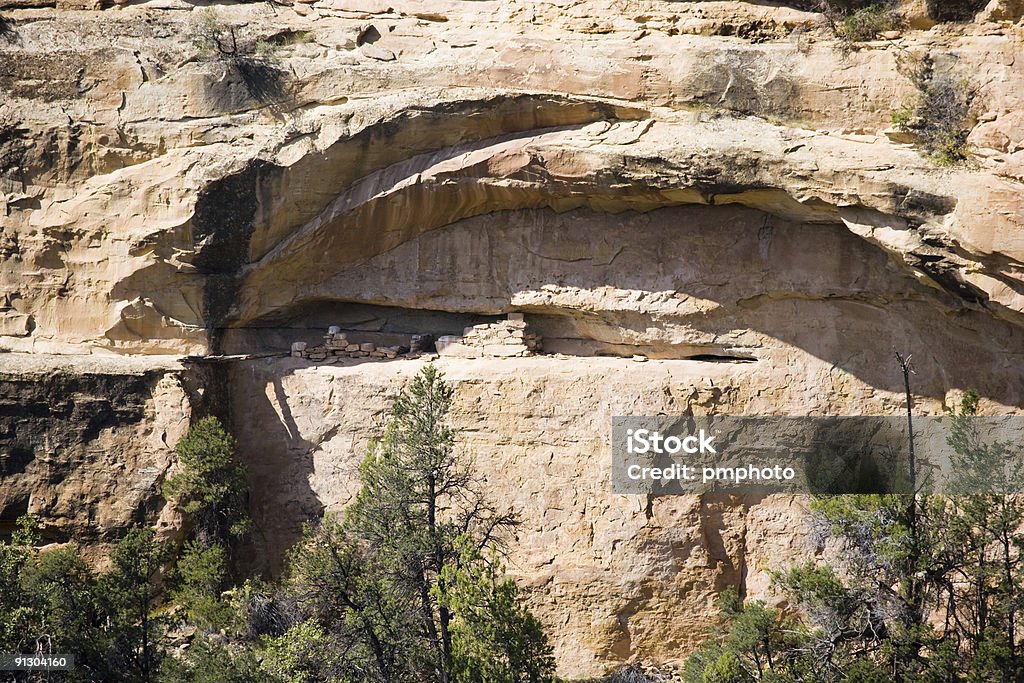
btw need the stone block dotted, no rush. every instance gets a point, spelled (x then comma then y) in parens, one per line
(367, 347)
(14, 324)
(503, 350)
(352, 347)
(452, 346)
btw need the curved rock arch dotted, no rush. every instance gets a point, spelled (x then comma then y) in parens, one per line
(612, 161)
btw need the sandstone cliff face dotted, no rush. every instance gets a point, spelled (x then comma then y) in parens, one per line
(614, 577)
(156, 201)
(691, 181)
(84, 444)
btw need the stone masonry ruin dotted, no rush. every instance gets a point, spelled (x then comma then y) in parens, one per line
(501, 339)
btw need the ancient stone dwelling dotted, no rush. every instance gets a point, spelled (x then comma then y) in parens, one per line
(502, 339)
(673, 181)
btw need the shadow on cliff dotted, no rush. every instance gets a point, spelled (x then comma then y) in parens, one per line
(280, 466)
(814, 287)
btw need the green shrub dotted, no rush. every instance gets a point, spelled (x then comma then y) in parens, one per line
(940, 113)
(199, 577)
(868, 22)
(252, 58)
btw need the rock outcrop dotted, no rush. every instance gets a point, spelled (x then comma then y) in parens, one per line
(712, 185)
(86, 442)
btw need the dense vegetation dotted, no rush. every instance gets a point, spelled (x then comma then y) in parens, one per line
(940, 113)
(406, 586)
(924, 588)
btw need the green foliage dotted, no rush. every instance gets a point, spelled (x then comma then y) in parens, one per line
(200, 577)
(495, 638)
(982, 541)
(53, 601)
(252, 58)
(868, 22)
(62, 590)
(206, 661)
(303, 654)
(856, 21)
(132, 589)
(211, 486)
(15, 615)
(341, 587)
(940, 113)
(753, 643)
(399, 585)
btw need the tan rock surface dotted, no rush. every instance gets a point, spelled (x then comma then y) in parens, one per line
(131, 123)
(613, 577)
(85, 443)
(679, 181)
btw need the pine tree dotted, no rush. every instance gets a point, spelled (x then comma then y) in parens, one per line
(399, 584)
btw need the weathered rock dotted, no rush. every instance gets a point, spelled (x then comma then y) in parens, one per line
(452, 346)
(85, 443)
(14, 324)
(504, 350)
(679, 182)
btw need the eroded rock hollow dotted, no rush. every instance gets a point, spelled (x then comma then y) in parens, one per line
(714, 186)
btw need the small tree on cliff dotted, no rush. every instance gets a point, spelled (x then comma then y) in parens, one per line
(211, 486)
(399, 588)
(925, 588)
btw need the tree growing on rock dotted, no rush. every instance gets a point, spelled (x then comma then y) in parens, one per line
(404, 587)
(251, 58)
(940, 113)
(210, 487)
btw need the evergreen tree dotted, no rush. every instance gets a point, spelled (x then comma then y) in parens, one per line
(211, 485)
(132, 589)
(495, 638)
(398, 586)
